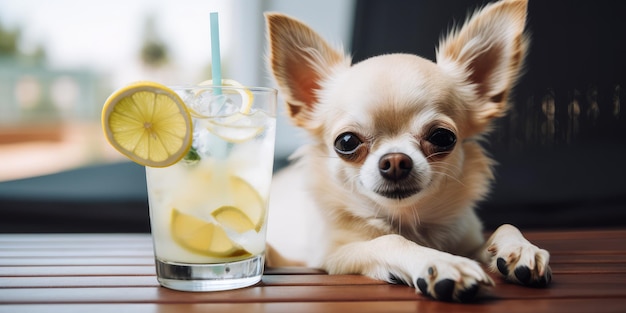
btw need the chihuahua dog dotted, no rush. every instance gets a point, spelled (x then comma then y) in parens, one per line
(388, 183)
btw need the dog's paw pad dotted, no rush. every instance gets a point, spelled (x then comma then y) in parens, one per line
(528, 277)
(453, 281)
(446, 290)
(526, 265)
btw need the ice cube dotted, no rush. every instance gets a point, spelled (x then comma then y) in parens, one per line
(234, 128)
(227, 107)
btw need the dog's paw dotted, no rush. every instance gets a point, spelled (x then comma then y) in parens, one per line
(522, 263)
(452, 278)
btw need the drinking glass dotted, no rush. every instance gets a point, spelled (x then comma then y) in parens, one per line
(208, 212)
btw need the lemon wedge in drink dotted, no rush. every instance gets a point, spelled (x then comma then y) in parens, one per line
(203, 237)
(247, 203)
(233, 218)
(245, 211)
(149, 123)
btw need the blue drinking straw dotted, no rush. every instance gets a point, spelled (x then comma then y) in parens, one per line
(216, 73)
(216, 67)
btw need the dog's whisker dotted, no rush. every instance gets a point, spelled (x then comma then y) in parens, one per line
(447, 175)
(416, 218)
(455, 166)
(353, 181)
(446, 171)
(377, 211)
(400, 224)
(449, 169)
(432, 155)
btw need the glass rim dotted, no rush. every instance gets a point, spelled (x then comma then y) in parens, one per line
(253, 89)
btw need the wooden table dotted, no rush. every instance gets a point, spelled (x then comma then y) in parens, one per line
(115, 273)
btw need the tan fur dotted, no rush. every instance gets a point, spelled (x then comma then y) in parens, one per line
(300, 64)
(339, 211)
(508, 45)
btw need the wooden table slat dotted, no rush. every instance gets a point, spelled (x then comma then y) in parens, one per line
(78, 261)
(66, 253)
(605, 287)
(93, 271)
(509, 306)
(45, 239)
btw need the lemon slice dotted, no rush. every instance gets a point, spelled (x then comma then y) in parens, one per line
(247, 202)
(246, 95)
(203, 237)
(233, 218)
(149, 123)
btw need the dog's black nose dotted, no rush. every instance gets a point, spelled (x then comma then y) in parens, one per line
(395, 166)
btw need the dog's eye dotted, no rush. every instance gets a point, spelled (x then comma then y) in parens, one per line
(443, 139)
(347, 143)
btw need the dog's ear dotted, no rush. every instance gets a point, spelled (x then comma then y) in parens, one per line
(300, 60)
(487, 54)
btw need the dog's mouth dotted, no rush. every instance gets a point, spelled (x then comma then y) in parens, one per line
(397, 191)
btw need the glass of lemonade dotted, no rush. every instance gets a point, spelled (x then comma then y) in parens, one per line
(208, 212)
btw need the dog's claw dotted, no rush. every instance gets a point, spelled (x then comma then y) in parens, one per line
(501, 263)
(468, 294)
(545, 279)
(423, 286)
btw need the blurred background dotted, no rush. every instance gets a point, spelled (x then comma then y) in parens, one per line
(561, 149)
(59, 62)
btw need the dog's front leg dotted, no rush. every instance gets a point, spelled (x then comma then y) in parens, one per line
(395, 259)
(518, 260)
